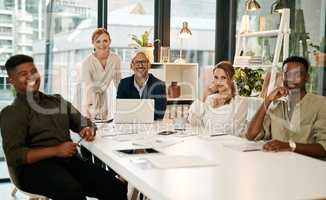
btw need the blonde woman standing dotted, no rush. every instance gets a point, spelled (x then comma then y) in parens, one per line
(98, 70)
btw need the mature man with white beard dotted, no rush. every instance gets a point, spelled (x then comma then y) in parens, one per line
(143, 85)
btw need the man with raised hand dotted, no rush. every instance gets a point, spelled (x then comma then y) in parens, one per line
(291, 118)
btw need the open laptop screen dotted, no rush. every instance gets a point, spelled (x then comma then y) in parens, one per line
(134, 111)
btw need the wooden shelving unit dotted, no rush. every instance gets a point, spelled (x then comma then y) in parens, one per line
(185, 74)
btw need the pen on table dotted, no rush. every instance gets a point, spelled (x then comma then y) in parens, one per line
(79, 141)
(214, 135)
(248, 150)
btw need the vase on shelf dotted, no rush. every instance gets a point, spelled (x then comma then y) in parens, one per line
(165, 54)
(320, 59)
(174, 90)
(148, 51)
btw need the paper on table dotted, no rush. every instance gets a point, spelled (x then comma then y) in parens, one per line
(158, 142)
(246, 147)
(126, 138)
(116, 133)
(179, 161)
(186, 133)
(213, 136)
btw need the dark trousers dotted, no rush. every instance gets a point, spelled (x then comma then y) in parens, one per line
(87, 155)
(72, 178)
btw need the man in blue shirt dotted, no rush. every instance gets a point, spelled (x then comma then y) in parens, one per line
(143, 85)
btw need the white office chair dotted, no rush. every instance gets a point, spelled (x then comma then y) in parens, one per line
(30, 196)
(14, 181)
(135, 195)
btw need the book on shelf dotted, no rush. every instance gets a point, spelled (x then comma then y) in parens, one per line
(248, 60)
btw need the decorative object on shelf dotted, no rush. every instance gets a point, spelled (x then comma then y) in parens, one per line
(319, 52)
(267, 58)
(244, 28)
(299, 36)
(262, 23)
(174, 90)
(143, 44)
(320, 59)
(249, 81)
(252, 5)
(248, 60)
(165, 54)
(185, 33)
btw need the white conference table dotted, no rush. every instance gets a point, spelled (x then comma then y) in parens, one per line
(237, 175)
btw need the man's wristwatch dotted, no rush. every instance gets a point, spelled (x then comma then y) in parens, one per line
(292, 145)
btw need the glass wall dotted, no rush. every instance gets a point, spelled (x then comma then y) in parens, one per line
(66, 25)
(126, 18)
(200, 16)
(307, 38)
(200, 46)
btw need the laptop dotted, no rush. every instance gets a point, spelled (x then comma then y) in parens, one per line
(131, 111)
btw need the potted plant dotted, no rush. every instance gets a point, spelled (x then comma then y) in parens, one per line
(249, 81)
(143, 44)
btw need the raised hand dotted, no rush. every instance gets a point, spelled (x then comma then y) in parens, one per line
(277, 93)
(212, 88)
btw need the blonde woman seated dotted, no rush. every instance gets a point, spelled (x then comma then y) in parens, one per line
(221, 109)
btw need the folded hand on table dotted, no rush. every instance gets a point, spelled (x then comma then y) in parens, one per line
(276, 145)
(88, 133)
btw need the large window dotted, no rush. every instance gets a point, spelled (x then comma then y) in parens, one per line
(58, 33)
(200, 16)
(126, 18)
(65, 44)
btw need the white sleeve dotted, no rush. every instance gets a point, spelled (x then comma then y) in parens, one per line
(86, 83)
(240, 112)
(117, 74)
(196, 112)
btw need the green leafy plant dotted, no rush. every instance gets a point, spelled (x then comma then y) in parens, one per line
(142, 41)
(248, 80)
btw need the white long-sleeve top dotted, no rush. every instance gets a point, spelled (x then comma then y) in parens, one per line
(94, 83)
(230, 118)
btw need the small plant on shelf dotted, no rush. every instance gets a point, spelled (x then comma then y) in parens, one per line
(249, 81)
(142, 41)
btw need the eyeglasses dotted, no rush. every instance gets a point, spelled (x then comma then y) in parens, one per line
(140, 62)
